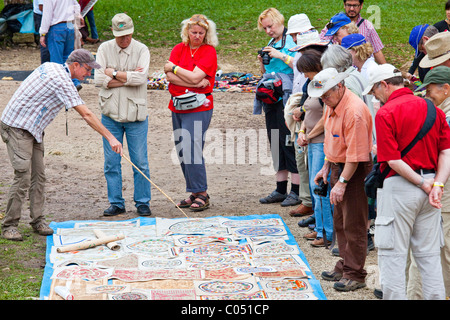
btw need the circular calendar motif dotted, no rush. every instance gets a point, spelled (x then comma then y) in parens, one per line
(208, 262)
(226, 287)
(161, 264)
(192, 226)
(155, 246)
(275, 248)
(287, 285)
(259, 231)
(130, 296)
(83, 273)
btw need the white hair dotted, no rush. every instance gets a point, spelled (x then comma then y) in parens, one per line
(337, 57)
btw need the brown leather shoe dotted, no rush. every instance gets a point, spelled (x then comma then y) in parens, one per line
(310, 236)
(319, 242)
(301, 211)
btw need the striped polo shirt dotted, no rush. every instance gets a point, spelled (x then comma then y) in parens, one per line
(40, 97)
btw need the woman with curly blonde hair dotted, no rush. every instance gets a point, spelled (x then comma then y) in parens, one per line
(191, 71)
(204, 22)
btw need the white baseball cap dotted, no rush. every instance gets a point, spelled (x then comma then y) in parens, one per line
(377, 73)
(324, 81)
(122, 25)
(299, 23)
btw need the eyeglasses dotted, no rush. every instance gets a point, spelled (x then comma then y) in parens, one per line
(356, 6)
(87, 69)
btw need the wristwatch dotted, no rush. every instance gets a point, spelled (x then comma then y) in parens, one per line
(114, 74)
(342, 180)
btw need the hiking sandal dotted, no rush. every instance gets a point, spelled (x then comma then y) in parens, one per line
(201, 206)
(185, 204)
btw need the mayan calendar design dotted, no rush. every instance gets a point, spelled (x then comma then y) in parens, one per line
(106, 289)
(243, 258)
(251, 223)
(158, 264)
(226, 287)
(186, 240)
(150, 246)
(260, 295)
(215, 249)
(195, 227)
(74, 272)
(130, 296)
(215, 262)
(259, 231)
(286, 285)
(275, 248)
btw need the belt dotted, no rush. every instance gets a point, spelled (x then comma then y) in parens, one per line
(422, 171)
(425, 171)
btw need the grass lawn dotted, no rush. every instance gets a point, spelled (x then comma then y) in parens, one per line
(21, 266)
(157, 24)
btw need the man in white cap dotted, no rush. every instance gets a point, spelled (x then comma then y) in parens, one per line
(438, 51)
(33, 106)
(347, 146)
(408, 215)
(123, 103)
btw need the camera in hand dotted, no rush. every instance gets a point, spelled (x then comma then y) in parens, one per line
(265, 56)
(322, 189)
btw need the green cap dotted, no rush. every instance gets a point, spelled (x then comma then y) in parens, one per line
(437, 75)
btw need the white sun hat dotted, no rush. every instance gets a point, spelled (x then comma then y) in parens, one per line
(299, 23)
(309, 38)
(324, 81)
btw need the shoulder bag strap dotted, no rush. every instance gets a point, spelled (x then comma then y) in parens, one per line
(360, 22)
(428, 124)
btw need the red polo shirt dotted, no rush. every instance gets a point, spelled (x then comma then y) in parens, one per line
(397, 124)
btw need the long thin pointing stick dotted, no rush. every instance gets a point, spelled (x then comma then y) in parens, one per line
(126, 158)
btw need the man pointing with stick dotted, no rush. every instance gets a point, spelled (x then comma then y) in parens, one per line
(33, 106)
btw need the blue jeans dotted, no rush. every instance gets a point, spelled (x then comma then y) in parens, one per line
(136, 135)
(323, 210)
(92, 26)
(189, 132)
(60, 43)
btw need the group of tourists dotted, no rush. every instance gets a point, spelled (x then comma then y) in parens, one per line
(335, 110)
(357, 126)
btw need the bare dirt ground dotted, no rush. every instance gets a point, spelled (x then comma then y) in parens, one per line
(76, 187)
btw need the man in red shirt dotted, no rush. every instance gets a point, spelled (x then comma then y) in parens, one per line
(408, 214)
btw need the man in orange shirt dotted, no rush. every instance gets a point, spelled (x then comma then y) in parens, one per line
(347, 146)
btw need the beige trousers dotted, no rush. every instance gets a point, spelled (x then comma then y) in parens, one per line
(414, 290)
(406, 221)
(27, 159)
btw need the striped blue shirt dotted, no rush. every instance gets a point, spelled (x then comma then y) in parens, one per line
(39, 99)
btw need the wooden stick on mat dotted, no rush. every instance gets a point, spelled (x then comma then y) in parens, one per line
(89, 243)
(114, 246)
(126, 158)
